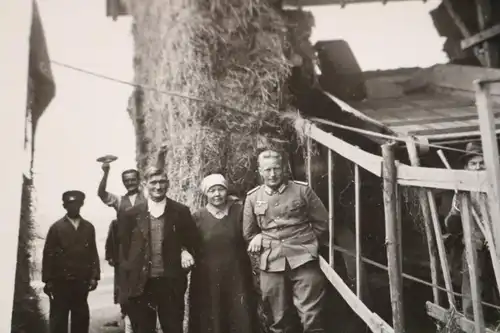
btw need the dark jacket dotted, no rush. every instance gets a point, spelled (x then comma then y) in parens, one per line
(179, 232)
(112, 244)
(70, 253)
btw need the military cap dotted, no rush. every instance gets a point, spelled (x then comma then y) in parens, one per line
(70, 196)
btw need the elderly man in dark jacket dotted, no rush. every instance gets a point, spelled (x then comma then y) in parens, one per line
(70, 267)
(158, 240)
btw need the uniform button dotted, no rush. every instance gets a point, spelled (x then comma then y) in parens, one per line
(276, 204)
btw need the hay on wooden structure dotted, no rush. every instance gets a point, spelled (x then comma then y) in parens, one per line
(230, 55)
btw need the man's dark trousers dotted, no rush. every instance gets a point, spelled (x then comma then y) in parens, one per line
(302, 287)
(162, 297)
(69, 296)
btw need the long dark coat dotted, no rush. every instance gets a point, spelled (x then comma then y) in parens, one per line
(179, 232)
(112, 253)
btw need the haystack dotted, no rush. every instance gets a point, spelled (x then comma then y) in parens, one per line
(214, 91)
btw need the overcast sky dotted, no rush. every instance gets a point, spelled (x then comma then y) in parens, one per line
(88, 116)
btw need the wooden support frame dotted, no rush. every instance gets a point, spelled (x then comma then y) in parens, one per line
(427, 219)
(443, 315)
(471, 255)
(491, 157)
(331, 208)
(309, 161)
(372, 320)
(395, 269)
(357, 213)
(481, 37)
(485, 19)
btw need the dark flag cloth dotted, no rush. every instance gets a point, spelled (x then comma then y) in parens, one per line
(40, 72)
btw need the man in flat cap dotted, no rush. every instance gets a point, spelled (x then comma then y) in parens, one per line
(472, 160)
(159, 240)
(285, 222)
(70, 267)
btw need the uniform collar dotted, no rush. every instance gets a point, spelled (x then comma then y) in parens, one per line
(281, 189)
(74, 220)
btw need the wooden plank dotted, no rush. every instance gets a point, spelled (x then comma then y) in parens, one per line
(342, 3)
(427, 219)
(16, 18)
(373, 321)
(443, 315)
(490, 154)
(309, 161)
(457, 77)
(471, 255)
(393, 262)
(410, 176)
(443, 259)
(489, 238)
(484, 35)
(331, 208)
(357, 220)
(443, 179)
(367, 161)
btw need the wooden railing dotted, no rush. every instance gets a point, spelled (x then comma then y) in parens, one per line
(395, 175)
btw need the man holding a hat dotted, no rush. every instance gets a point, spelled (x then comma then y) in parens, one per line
(70, 267)
(472, 160)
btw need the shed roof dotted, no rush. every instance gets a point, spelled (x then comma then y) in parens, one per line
(437, 103)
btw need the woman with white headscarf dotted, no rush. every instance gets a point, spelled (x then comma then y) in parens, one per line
(221, 294)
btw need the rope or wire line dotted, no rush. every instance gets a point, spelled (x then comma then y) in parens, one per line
(202, 100)
(411, 277)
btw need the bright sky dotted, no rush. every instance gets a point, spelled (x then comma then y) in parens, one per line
(88, 116)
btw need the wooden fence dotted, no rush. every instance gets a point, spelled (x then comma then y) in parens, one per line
(395, 175)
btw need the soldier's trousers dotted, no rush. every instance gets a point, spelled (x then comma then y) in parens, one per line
(303, 288)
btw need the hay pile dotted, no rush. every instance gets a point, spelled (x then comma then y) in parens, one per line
(233, 56)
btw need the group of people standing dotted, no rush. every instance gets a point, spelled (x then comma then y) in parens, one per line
(155, 241)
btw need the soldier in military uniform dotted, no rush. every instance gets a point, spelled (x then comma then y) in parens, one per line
(285, 222)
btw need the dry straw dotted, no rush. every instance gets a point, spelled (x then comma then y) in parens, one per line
(232, 52)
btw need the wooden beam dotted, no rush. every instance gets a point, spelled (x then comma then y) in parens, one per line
(372, 320)
(491, 157)
(463, 28)
(485, 19)
(471, 255)
(357, 227)
(426, 214)
(309, 161)
(443, 259)
(407, 175)
(393, 262)
(16, 18)
(444, 316)
(483, 36)
(331, 208)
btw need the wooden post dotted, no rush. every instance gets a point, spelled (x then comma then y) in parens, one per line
(16, 20)
(399, 212)
(357, 208)
(485, 20)
(427, 219)
(445, 268)
(309, 161)
(331, 207)
(489, 238)
(472, 263)
(491, 158)
(389, 173)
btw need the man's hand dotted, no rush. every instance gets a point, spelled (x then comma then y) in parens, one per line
(92, 285)
(48, 289)
(187, 260)
(111, 262)
(105, 167)
(255, 244)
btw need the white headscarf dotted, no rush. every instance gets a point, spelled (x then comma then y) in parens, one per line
(212, 180)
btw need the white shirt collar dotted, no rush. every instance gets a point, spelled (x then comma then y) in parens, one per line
(132, 198)
(75, 222)
(156, 209)
(216, 212)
